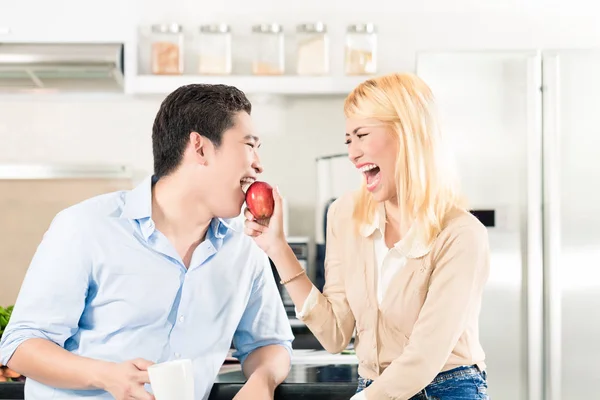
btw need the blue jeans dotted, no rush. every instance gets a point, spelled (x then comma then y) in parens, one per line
(462, 383)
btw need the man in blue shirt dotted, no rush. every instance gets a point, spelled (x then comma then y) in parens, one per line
(158, 273)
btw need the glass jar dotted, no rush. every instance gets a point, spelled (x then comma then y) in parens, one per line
(312, 52)
(361, 49)
(167, 49)
(269, 50)
(214, 56)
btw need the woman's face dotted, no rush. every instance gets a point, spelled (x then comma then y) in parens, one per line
(373, 150)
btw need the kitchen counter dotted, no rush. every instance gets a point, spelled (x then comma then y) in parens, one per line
(314, 382)
(314, 375)
(305, 381)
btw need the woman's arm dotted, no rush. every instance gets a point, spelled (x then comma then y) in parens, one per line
(454, 296)
(326, 314)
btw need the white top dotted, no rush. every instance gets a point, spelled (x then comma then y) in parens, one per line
(389, 262)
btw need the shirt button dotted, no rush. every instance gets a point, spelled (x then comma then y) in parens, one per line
(177, 355)
(181, 319)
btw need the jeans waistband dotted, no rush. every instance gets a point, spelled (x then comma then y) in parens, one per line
(458, 372)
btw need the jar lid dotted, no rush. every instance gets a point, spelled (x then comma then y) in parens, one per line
(214, 28)
(315, 27)
(362, 28)
(267, 28)
(167, 28)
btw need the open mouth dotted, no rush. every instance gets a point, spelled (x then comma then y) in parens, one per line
(245, 183)
(372, 175)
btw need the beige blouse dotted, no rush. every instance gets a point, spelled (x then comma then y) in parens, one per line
(427, 321)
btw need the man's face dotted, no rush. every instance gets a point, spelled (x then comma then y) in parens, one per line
(233, 166)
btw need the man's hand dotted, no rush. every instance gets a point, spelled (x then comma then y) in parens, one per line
(125, 381)
(258, 387)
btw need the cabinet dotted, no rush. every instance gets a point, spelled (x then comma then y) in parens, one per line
(66, 21)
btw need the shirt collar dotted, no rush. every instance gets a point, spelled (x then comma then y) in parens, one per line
(138, 207)
(138, 201)
(410, 246)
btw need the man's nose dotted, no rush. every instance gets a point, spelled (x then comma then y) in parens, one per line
(256, 165)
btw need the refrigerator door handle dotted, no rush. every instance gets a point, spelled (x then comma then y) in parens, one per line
(552, 229)
(532, 235)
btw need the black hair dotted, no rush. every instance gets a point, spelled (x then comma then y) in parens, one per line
(203, 108)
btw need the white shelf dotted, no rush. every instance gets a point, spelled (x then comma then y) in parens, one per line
(278, 85)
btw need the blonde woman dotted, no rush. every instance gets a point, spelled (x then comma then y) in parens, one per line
(406, 263)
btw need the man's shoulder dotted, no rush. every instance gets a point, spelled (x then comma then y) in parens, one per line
(92, 210)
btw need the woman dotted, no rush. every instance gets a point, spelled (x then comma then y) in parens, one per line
(406, 263)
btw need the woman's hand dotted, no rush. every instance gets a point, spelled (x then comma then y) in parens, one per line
(268, 233)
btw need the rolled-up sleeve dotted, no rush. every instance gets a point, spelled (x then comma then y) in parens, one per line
(52, 296)
(264, 321)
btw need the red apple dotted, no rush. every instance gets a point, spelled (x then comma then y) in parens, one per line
(259, 199)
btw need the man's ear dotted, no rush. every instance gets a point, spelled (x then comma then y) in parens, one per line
(202, 147)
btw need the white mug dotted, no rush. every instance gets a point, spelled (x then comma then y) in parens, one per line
(172, 380)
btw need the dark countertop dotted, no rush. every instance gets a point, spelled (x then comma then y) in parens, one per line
(314, 382)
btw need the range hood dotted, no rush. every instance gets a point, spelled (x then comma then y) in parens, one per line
(58, 67)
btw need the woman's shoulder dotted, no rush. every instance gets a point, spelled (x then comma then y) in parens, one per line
(340, 214)
(462, 228)
(342, 207)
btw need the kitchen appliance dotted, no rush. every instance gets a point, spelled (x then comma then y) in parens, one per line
(61, 66)
(524, 127)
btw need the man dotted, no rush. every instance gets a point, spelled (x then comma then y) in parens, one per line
(162, 272)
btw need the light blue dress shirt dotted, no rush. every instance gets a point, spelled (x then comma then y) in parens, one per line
(105, 284)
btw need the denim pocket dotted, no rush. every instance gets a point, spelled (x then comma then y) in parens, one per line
(480, 381)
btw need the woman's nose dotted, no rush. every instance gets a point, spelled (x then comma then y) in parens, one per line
(354, 152)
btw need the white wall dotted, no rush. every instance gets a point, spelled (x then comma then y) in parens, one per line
(108, 129)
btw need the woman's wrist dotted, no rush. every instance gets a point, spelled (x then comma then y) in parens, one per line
(279, 251)
(285, 261)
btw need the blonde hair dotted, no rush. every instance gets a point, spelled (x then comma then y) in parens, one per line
(427, 185)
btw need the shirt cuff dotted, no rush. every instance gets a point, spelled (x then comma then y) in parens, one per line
(309, 303)
(287, 344)
(10, 342)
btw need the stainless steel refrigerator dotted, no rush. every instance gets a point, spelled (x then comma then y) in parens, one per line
(525, 128)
